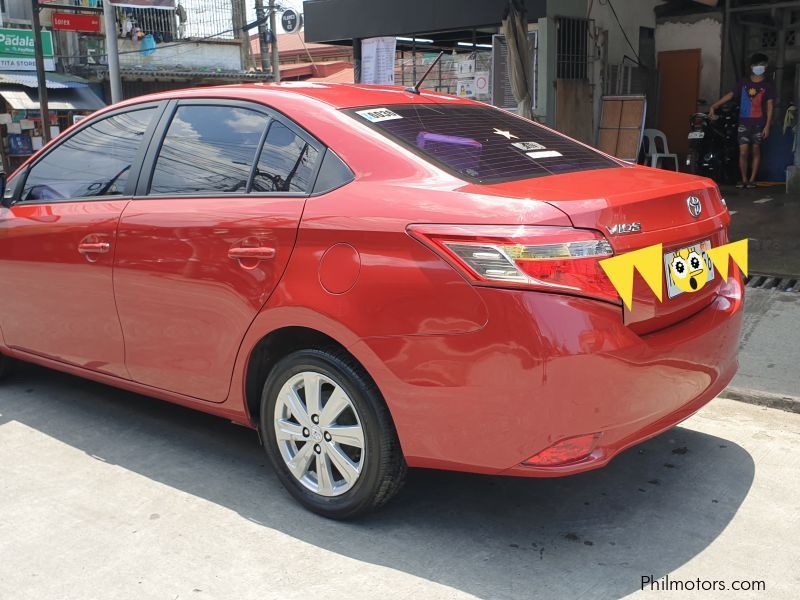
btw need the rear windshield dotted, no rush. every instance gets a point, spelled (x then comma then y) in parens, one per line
(481, 143)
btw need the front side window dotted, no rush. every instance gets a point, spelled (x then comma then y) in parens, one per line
(208, 150)
(481, 143)
(287, 162)
(96, 161)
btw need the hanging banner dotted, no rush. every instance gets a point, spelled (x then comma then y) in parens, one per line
(377, 60)
(17, 50)
(165, 4)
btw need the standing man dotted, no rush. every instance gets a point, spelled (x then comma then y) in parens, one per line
(756, 97)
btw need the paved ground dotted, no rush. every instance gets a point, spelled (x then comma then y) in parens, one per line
(769, 353)
(106, 494)
(771, 219)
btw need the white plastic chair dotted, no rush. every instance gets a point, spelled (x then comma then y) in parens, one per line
(655, 148)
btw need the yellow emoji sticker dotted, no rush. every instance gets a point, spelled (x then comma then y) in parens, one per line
(688, 270)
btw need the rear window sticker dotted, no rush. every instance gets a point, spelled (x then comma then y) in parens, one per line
(528, 146)
(543, 154)
(376, 115)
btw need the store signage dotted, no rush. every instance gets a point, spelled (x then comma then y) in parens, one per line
(291, 21)
(72, 22)
(17, 50)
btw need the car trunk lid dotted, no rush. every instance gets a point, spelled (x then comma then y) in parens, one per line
(636, 207)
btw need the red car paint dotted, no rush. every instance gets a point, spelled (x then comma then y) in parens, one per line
(476, 378)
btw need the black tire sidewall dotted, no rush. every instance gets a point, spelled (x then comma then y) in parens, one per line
(361, 496)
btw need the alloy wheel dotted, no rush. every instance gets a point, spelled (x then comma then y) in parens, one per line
(319, 433)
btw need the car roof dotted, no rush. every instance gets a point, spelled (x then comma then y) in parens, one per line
(337, 95)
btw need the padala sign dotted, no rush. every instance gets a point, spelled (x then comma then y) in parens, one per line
(17, 50)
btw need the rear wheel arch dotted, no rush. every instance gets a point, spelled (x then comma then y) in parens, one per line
(276, 345)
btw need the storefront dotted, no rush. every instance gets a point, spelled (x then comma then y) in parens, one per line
(21, 127)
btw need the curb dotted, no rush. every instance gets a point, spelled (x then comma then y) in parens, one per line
(779, 401)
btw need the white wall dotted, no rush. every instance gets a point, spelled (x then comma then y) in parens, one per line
(208, 54)
(632, 15)
(704, 33)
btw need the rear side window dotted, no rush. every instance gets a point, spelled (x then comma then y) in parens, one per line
(287, 162)
(481, 143)
(208, 150)
(333, 173)
(96, 161)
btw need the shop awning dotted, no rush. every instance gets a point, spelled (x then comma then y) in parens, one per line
(55, 81)
(79, 99)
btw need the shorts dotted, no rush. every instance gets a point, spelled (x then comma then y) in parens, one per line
(751, 134)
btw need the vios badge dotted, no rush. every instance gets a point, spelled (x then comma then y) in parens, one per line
(695, 206)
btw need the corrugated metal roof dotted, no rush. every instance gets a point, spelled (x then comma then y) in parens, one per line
(55, 81)
(194, 74)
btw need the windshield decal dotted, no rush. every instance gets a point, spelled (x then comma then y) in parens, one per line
(506, 134)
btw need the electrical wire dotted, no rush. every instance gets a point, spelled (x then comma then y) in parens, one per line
(622, 29)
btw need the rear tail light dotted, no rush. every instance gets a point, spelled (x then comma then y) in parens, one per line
(553, 259)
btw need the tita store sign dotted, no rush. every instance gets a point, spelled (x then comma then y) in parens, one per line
(17, 50)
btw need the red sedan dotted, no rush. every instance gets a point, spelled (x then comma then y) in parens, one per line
(372, 278)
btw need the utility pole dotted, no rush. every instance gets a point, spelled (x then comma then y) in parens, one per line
(112, 52)
(240, 33)
(276, 62)
(263, 36)
(40, 76)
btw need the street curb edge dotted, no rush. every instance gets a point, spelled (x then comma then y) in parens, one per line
(779, 401)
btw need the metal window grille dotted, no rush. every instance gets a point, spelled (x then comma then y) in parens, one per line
(769, 39)
(626, 80)
(204, 18)
(572, 48)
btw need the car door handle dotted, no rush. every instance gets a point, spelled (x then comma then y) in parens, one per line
(94, 247)
(258, 253)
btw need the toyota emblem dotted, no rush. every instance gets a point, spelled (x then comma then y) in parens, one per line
(695, 207)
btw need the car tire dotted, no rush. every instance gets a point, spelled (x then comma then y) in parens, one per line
(317, 456)
(5, 366)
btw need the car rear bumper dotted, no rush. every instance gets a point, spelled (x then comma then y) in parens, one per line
(546, 368)
(615, 440)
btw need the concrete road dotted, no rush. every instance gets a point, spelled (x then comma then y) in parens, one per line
(770, 218)
(106, 494)
(769, 352)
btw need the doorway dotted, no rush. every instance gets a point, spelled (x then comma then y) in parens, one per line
(679, 72)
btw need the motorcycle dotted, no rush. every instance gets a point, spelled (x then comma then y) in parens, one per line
(713, 145)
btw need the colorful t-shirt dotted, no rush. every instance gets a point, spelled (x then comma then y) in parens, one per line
(753, 97)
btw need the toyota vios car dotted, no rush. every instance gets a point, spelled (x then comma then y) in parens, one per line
(374, 279)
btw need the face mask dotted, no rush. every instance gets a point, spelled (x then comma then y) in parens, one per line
(759, 70)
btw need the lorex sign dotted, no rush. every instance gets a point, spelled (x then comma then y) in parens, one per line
(70, 22)
(17, 50)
